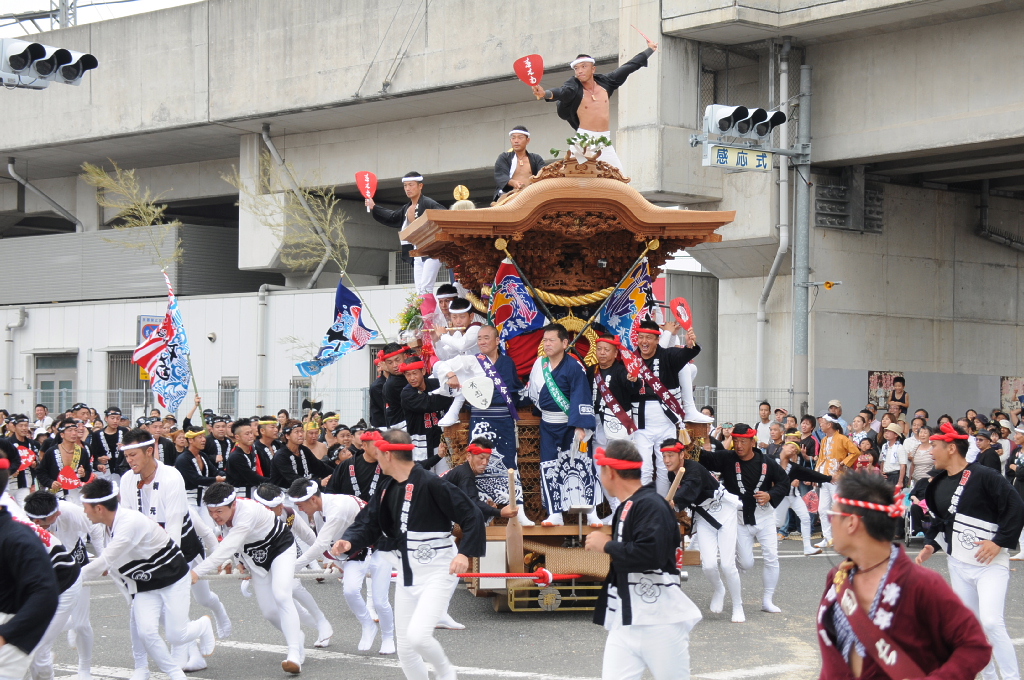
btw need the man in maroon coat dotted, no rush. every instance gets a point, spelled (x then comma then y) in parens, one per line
(882, 617)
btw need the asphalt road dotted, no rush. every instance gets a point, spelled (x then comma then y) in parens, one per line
(522, 646)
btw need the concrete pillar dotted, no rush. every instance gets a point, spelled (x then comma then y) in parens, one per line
(86, 207)
(657, 113)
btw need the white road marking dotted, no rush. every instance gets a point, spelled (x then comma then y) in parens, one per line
(760, 671)
(392, 662)
(108, 673)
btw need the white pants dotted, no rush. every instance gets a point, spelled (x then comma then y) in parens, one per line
(205, 597)
(14, 663)
(983, 590)
(720, 544)
(306, 607)
(418, 609)
(826, 492)
(20, 495)
(657, 428)
(352, 584)
(380, 568)
(273, 589)
(169, 604)
(608, 154)
(662, 649)
(42, 655)
(762, 532)
(795, 502)
(424, 274)
(83, 630)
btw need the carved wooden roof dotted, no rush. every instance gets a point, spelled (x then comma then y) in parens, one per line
(559, 228)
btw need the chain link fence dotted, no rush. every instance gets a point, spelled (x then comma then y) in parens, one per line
(739, 404)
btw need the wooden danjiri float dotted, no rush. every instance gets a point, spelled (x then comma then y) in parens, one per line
(574, 231)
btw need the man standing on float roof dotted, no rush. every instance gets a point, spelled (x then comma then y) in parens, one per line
(424, 269)
(584, 100)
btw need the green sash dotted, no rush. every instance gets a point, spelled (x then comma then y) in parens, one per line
(549, 380)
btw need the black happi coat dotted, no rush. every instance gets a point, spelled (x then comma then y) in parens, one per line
(776, 481)
(435, 506)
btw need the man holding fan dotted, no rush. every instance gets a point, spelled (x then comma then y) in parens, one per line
(584, 100)
(424, 269)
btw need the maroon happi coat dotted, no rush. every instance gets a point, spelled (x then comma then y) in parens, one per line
(928, 621)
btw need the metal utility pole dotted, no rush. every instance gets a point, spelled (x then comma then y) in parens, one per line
(801, 249)
(64, 13)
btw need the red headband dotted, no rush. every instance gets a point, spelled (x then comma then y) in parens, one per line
(380, 357)
(410, 367)
(949, 433)
(5, 464)
(403, 350)
(750, 434)
(649, 331)
(478, 450)
(384, 445)
(614, 341)
(894, 510)
(616, 463)
(675, 448)
(369, 436)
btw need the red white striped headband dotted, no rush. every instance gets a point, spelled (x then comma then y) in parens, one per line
(894, 510)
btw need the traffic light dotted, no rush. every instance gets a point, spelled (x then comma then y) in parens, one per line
(34, 65)
(72, 72)
(740, 121)
(721, 120)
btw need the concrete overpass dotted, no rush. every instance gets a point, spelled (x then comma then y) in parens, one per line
(919, 96)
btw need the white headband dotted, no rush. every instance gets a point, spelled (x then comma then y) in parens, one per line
(1019, 429)
(140, 445)
(311, 490)
(113, 494)
(55, 511)
(831, 418)
(272, 503)
(518, 132)
(227, 501)
(572, 64)
(446, 296)
(413, 178)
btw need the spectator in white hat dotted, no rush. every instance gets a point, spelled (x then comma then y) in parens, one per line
(835, 407)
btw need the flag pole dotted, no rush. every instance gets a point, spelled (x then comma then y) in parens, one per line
(195, 386)
(502, 245)
(380, 329)
(654, 244)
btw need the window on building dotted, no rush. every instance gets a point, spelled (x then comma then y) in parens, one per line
(124, 387)
(228, 396)
(298, 390)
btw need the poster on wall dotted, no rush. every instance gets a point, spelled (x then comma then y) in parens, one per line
(880, 387)
(1010, 388)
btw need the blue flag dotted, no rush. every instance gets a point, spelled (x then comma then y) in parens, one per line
(630, 303)
(164, 355)
(345, 335)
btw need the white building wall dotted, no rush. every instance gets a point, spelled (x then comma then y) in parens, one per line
(90, 328)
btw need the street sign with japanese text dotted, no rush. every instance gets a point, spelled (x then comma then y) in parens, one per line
(736, 158)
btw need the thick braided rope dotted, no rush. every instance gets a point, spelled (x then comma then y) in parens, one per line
(561, 300)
